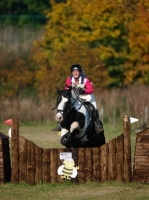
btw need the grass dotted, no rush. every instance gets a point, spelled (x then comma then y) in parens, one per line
(96, 191)
(42, 135)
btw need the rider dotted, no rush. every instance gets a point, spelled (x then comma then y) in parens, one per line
(77, 77)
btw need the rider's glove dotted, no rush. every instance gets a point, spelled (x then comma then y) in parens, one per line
(81, 91)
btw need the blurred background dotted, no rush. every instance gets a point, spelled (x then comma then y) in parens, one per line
(40, 40)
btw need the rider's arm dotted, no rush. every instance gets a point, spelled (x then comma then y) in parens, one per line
(88, 86)
(67, 83)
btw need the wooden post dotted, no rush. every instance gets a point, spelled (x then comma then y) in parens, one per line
(127, 149)
(88, 164)
(59, 163)
(112, 160)
(75, 158)
(81, 161)
(104, 162)
(120, 158)
(38, 164)
(31, 162)
(15, 150)
(22, 159)
(53, 165)
(96, 165)
(46, 165)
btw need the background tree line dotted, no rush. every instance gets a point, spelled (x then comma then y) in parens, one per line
(113, 48)
(24, 12)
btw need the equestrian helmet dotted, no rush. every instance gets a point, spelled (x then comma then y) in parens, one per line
(77, 67)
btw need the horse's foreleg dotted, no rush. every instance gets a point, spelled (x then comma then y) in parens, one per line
(74, 125)
(64, 131)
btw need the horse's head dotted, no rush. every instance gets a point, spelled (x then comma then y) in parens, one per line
(63, 103)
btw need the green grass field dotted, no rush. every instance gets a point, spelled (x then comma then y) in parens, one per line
(42, 135)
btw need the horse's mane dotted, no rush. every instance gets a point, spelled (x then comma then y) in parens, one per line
(65, 93)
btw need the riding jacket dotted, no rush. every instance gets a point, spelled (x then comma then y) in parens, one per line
(82, 80)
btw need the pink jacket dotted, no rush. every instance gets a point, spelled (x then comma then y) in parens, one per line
(87, 84)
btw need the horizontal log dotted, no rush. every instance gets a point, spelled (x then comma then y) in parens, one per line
(141, 159)
(141, 172)
(140, 145)
(146, 132)
(141, 166)
(141, 179)
(142, 152)
(142, 138)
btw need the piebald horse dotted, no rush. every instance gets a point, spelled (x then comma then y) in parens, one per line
(76, 117)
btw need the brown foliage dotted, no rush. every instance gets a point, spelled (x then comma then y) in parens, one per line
(132, 101)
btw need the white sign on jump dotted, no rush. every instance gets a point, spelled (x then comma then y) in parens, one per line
(65, 155)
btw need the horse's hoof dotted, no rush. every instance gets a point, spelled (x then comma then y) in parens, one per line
(66, 141)
(63, 141)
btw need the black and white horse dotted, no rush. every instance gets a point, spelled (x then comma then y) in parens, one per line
(76, 117)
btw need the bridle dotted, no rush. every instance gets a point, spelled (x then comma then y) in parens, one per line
(69, 105)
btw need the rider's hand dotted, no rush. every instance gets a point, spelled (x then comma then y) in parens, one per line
(81, 91)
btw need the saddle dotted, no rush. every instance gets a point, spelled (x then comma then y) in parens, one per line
(91, 110)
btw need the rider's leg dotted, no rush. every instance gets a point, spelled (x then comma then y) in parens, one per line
(57, 128)
(98, 124)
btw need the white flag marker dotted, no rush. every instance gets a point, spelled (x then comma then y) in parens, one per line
(132, 120)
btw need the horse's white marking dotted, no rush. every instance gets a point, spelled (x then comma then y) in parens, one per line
(62, 103)
(64, 131)
(74, 125)
(59, 116)
(9, 132)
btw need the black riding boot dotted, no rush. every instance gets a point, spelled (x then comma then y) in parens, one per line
(98, 123)
(57, 128)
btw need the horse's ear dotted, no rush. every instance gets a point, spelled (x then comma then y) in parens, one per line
(58, 90)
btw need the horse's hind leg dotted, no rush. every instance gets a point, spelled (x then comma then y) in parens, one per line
(74, 125)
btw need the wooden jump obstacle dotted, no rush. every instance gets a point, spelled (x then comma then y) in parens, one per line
(5, 169)
(32, 164)
(141, 157)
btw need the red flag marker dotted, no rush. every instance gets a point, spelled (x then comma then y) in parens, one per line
(8, 121)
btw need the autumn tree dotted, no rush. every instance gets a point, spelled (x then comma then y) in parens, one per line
(137, 59)
(17, 77)
(88, 32)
